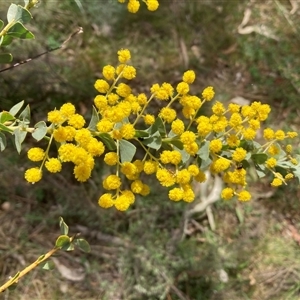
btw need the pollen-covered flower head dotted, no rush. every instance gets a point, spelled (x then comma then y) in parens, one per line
(189, 76)
(124, 54)
(208, 93)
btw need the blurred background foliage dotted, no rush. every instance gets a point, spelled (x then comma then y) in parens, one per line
(140, 254)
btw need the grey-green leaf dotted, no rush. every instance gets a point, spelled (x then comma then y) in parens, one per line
(48, 265)
(15, 109)
(19, 138)
(40, 130)
(259, 158)
(154, 141)
(94, 120)
(17, 13)
(64, 228)
(83, 245)
(25, 114)
(108, 141)
(127, 151)
(2, 141)
(203, 152)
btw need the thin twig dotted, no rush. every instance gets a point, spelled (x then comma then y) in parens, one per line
(79, 30)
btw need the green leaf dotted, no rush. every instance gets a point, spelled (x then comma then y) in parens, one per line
(19, 138)
(12, 287)
(296, 172)
(25, 114)
(5, 58)
(64, 228)
(154, 141)
(260, 171)
(245, 164)
(203, 163)
(282, 170)
(17, 13)
(184, 155)
(94, 120)
(248, 145)
(68, 247)
(48, 265)
(259, 158)
(41, 257)
(141, 134)
(2, 141)
(203, 152)
(15, 109)
(16, 276)
(158, 126)
(62, 240)
(40, 130)
(166, 145)
(127, 151)
(6, 40)
(108, 141)
(19, 31)
(1, 24)
(6, 116)
(4, 128)
(239, 214)
(83, 245)
(177, 143)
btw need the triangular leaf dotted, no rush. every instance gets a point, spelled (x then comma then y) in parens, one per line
(5, 116)
(19, 138)
(177, 143)
(62, 240)
(15, 109)
(68, 247)
(203, 152)
(141, 134)
(41, 257)
(48, 265)
(12, 287)
(2, 141)
(4, 128)
(40, 130)
(5, 58)
(83, 245)
(127, 151)
(17, 13)
(184, 155)
(158, 126)
(108, 141)
(64, 228)
(6, 40)
(259, 158)
(19, 31)
(94, 120)
(296, 172)
(154, 141)
(25, 114)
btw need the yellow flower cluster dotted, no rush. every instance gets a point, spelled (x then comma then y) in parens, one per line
(134, 5)
(77, 145)
(178, 144)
